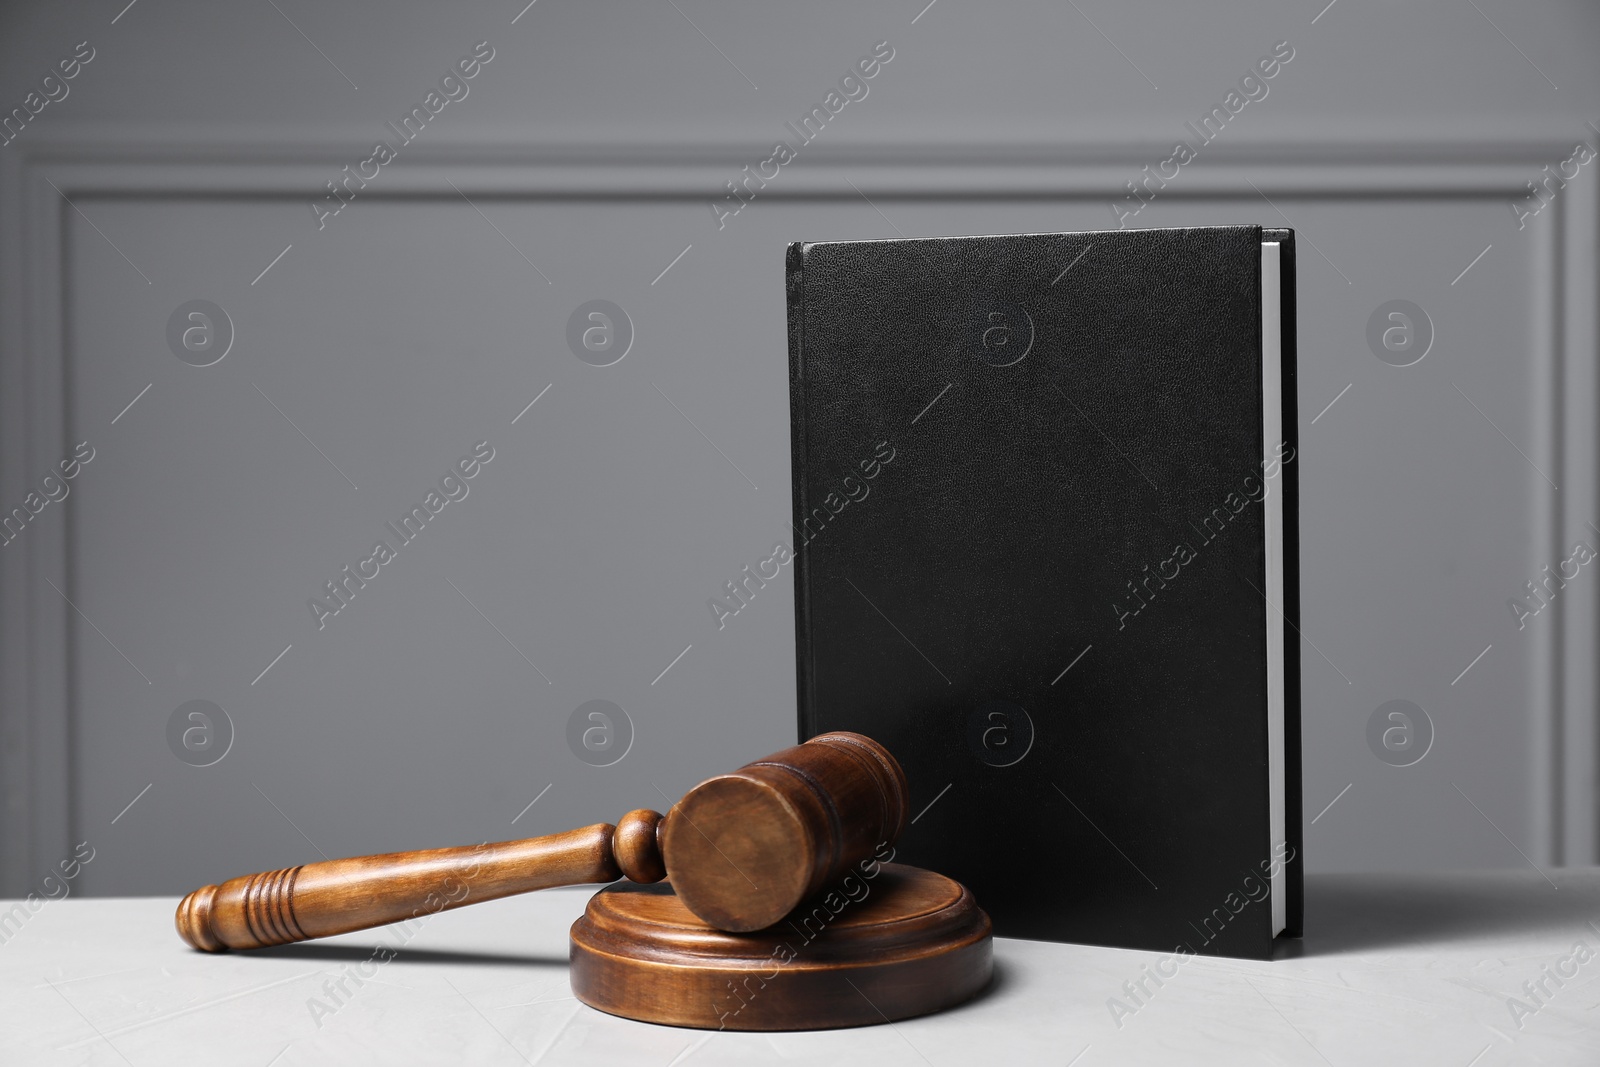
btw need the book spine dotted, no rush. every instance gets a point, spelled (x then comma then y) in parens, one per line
(795, 289)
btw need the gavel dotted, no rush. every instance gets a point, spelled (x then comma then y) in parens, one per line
(741, 850)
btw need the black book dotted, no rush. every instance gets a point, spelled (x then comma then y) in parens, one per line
(1046, 552)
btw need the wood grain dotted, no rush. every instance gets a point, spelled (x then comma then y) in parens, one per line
(338, 896)
(904, 942)
(743, 849)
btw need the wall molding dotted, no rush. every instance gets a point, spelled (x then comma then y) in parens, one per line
(37, 824)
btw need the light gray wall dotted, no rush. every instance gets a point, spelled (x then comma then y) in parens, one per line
(427, 314)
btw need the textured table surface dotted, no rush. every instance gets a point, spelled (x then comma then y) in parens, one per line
(1397, 969)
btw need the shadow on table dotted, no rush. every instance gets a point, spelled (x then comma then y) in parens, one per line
(358, 953)
(1375, 912)
(322, 953)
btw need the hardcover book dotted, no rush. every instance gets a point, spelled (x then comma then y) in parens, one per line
(1069, 605)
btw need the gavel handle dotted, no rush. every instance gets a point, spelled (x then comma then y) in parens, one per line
(338, 896)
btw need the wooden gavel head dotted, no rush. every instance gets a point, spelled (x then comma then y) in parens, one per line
(742, 850)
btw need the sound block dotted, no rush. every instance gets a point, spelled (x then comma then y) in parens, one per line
(905, 942)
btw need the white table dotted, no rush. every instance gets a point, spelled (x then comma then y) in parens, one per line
(1397, 969)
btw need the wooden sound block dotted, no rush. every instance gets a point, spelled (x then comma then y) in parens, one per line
(910, 943)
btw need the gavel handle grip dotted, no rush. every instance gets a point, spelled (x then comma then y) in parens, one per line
(339, 896)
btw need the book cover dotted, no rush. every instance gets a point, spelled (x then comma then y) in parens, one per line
(1046, 552)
